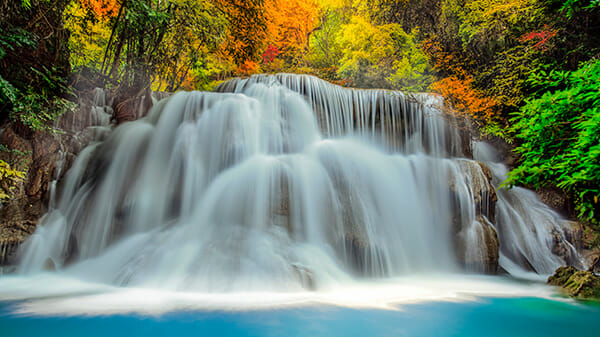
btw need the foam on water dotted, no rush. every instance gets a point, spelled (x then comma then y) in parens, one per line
(60, 295)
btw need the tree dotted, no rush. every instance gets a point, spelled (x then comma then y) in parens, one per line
(291, 24)
(248, 31)
(33, 63)
(382, 56)
(164, 40)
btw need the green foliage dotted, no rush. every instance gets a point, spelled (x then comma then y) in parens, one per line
(38, 111)
(88, 37)
(14, 38)
(325, 49)
(569, 7)
(492, 23)
(196, 31)
(411, 70)
(15, 152)
(26, 4)
(35, 107)
(161, 40)
(8, 93)
(8, 178)
(133, 47)
(507, 77)
(382, 56)
(560, 134)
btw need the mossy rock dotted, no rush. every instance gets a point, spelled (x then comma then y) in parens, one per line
(577, 283)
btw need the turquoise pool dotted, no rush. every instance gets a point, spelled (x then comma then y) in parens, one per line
(484, 317)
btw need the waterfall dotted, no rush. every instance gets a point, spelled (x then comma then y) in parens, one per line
(287, 182)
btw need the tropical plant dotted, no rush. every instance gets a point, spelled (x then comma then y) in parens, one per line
(559, 131)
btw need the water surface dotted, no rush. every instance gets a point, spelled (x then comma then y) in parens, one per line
(483, 317)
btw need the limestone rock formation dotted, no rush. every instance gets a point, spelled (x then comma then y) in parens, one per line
(565, 238)
(476, 238)
(44, 156)
(577, 283)
(478, 247)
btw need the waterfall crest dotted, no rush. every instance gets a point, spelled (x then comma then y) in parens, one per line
(287, 182)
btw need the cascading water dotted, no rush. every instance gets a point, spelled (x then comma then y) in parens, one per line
(282, 183)
(531, 232)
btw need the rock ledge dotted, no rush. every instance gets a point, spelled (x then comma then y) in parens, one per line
(577, 283)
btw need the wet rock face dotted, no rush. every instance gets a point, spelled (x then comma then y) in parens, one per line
(478, 248)
(41, 154)
(476, 239)
(35, 154)
(557, 199)
(18, 159)
(565, 242)
(132, 106)
(18, 221)
(577, 283)
(484, 194)
(41, 172)
(594, 263)
(492, 249)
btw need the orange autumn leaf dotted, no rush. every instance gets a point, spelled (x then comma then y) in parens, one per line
(102, 8)
(290, 24)
(248, 67)
(465, 99)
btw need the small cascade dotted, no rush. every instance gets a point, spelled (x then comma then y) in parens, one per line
(284, 183)
(534, 237)
(90, 123)
(7, 249)
(401, 122)
(473, 204)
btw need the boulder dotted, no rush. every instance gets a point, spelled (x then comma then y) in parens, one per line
(593, 261)
(39, 154)
(478, 177)
(18, 220)
(476, 239)
(576, 283)
(566, 241)
(478, 248)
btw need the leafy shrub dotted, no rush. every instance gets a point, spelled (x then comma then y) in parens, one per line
(8, 178)
(560, 134)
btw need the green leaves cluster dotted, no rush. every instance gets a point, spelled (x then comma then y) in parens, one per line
(35, 106)
(571, 6)
(382, 56)
(350, 47)
(164, 39)
(560, 134)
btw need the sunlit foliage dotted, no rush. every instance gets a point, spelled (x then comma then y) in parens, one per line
(382, 56)
(89, 33)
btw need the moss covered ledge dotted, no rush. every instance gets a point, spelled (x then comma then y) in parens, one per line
(578, 284)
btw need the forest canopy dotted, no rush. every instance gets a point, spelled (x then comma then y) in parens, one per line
(522, 70)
